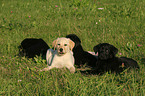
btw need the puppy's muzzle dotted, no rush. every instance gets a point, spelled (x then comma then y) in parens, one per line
(61, 51)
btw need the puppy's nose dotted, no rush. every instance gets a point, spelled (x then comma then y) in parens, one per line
(61, 49)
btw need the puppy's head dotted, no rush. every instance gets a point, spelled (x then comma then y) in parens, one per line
(63, 45)
(75, 39)
(105, 51)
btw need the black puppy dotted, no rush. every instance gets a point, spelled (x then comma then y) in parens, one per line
(81, 57)
(107, 61)
(30, 47)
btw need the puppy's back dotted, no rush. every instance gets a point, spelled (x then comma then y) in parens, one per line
(31, 47)
(130, 62)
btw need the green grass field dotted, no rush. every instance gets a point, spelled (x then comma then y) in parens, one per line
(120, 23)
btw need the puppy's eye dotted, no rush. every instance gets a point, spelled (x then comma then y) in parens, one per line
(58, 44)
(65, 44)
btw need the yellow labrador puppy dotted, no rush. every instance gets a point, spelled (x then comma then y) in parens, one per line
(62, 56)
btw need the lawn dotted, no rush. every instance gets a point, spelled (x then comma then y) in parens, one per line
(118, 22)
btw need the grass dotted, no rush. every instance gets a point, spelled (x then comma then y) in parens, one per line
(120, 23)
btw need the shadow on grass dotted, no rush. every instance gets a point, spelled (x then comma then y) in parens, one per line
(94, 72)
(90, 72)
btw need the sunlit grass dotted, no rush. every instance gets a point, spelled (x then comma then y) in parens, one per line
(120, 23)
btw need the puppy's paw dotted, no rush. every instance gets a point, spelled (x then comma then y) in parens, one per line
(45, 69)
(72, 69)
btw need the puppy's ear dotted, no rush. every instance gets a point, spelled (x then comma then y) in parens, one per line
(75, 39)
(71, 44)
(54, 43)
(114, 49)
(96, 48)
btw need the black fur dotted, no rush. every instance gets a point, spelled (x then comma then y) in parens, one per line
(107, 61)
(81, 57)
(30, 47)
